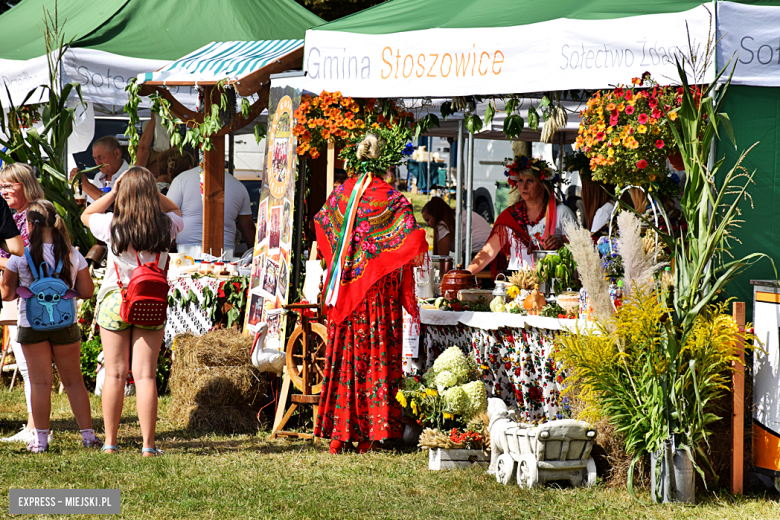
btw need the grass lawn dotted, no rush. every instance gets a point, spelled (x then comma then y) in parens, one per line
(251, 476)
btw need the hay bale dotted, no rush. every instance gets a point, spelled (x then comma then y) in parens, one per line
(213, 383)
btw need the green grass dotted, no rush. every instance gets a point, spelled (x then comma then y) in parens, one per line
(251, 476)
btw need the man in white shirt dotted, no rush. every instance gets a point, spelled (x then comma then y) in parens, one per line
(105, 151)
(185, 192)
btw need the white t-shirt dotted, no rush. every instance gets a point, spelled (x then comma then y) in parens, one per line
(519, 258)
(100, 178)
(185, 192)
(100, 225)
(480, 231)
(18, 264)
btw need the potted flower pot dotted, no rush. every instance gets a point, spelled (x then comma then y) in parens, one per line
(677, 162)
(674, 481)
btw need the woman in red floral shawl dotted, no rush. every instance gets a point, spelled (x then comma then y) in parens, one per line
(370, 242)
(536, 221)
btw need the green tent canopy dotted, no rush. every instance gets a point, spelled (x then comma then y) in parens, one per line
(114, 40)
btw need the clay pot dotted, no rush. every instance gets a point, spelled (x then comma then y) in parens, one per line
(676, 161)
(456, 280)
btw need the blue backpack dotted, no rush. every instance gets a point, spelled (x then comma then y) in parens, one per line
(51, 304)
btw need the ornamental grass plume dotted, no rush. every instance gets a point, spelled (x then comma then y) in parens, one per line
(638, 266)
(590, 269)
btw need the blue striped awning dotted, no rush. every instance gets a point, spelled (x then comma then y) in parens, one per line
(222, 60)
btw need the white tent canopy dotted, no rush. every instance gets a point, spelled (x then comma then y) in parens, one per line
(555, 54)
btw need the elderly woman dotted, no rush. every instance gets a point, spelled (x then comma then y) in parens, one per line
(535, 222)
(19, 187)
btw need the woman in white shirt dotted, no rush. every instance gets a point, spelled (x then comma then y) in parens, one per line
(441, 217)
(536, 221)
(143, 225)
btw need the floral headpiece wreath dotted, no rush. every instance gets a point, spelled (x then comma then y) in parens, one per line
(539, 169)
(394, 149)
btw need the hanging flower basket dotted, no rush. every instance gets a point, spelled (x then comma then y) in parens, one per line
(626, 132)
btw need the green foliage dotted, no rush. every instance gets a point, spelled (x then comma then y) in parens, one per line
(46, 149)
(89, 354)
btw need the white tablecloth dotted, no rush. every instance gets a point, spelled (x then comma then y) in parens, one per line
(515, 355)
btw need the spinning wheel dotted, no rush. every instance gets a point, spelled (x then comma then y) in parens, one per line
(306, 357)
(305, 365)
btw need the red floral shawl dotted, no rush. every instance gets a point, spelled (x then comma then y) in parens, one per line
(386, 238)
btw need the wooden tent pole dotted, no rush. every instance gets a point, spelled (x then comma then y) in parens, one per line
(738, 411)
(213, 185)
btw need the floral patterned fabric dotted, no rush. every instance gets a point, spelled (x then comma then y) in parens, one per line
(516, 364)
(363, 369)
(385, 238)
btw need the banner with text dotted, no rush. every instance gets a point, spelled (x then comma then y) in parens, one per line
(558, 54)
(103, 76)
(750, 35)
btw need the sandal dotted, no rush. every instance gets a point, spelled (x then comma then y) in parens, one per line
(107, 447)
(153, 451)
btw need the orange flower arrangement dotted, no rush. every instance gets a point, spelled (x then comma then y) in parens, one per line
(333, 116)
(626, 132)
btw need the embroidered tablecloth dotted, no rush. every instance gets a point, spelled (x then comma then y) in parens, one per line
(190, 318)
(516, 363)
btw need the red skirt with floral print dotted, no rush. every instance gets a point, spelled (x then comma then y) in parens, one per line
(363, 369)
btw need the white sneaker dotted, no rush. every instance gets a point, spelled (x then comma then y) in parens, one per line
(25, 436)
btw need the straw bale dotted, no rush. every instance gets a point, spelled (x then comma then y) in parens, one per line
(232, 419)
(213, 383)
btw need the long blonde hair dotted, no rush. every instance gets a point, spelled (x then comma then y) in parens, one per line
(139, 221)
(40, 215)
(24, 175)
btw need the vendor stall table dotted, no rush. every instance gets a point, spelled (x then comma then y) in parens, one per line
(190, 318)
(513, 352)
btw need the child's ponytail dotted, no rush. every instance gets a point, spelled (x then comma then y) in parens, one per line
(42, 214)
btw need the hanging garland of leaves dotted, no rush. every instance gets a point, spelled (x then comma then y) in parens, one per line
(197, 134)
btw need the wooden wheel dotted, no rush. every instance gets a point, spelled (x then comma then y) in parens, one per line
(312, 354)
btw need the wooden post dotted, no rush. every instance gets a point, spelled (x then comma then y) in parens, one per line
(213, 186)
(738, 413)
(331, 166)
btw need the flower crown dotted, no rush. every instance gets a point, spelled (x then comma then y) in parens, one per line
(539, 169)
(395, 149)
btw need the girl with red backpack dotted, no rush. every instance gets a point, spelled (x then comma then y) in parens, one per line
(49, 277)
(133, 298)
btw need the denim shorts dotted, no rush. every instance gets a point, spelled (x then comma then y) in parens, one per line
(109, 318)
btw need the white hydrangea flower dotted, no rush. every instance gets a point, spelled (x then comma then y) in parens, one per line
(445, 379)
(456, 401)
(453, 360)
(477, 397)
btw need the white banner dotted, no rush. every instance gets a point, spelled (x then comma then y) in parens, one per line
(751, 34)
(555, 55)
(103, 76)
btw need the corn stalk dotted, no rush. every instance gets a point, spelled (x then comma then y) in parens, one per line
(46, 149)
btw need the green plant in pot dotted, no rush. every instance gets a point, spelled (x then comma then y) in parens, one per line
(670, 364)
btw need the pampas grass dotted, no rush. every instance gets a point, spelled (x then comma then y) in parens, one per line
(639, 266)
(590, 269)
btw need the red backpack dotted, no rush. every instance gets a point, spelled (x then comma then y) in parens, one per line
(145, 301)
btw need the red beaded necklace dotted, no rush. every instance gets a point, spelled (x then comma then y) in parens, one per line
(522, 216)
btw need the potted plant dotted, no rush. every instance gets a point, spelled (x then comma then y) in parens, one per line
(660, 367)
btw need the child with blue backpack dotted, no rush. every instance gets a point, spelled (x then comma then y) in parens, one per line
(49, 278)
